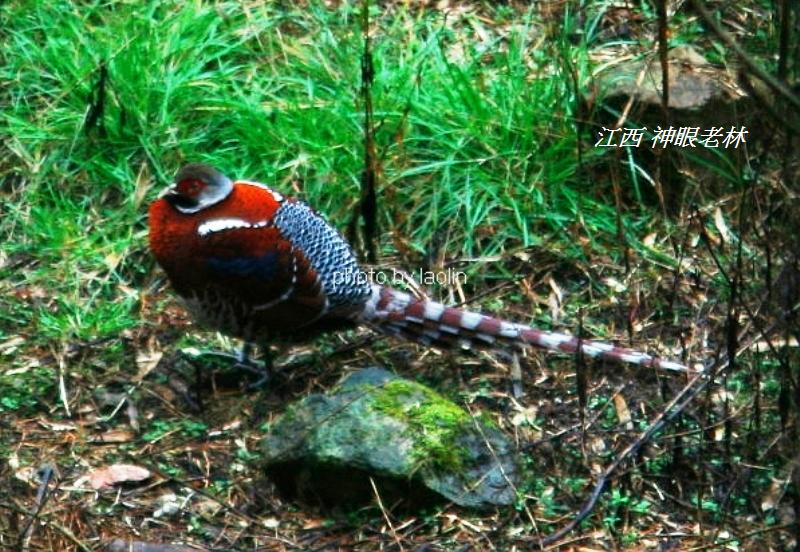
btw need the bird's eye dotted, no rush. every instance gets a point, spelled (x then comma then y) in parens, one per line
(190, 187)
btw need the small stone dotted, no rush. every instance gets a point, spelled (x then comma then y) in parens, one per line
(411, 441)
(271, 523)
(167, 505)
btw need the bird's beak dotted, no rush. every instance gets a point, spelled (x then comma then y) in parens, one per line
(172, 190)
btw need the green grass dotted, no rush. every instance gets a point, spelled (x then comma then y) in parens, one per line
(477, 140)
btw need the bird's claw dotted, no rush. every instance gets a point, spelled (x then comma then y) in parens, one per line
(238, 361)
(261, 370)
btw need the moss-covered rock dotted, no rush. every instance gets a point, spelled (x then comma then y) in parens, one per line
(396, 431)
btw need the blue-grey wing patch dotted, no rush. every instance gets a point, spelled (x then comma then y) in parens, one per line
(264, 268)
(344, 283)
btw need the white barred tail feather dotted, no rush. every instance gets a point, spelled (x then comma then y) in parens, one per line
(434, 324)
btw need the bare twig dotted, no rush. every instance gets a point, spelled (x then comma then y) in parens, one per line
(385, 514)
(369, 202)
(45, 475)
(62, 386)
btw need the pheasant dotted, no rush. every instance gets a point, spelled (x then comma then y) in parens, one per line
(262, 267)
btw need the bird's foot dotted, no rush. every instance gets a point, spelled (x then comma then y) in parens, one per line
(261, 370)
(241, 361)
(264, 370)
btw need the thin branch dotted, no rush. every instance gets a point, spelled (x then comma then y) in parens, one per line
(385, 514)
(46, 475)
(369, 202)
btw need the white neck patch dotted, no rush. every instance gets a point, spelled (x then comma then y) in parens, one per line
(220, 225)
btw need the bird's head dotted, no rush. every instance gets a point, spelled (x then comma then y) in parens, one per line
(197, 186)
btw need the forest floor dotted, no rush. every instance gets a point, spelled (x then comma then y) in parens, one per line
(476, 108)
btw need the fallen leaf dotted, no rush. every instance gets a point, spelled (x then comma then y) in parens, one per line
(114, 436)
(27, 293)
(133, 415)
(623, 412)
(555, 300)
(112, 261)
(142, 185)
(766, 346)
(722, 226)
(117, 473)
(472, 526)
(11, 345)
(27, 474)
(597, 445)
(772, 497)
(614, 284)
(21, 370)
(525, 416)
(57, 426)
(234, 424)
(270, 523)
(207, 507)
(313, 523)
(146, 361)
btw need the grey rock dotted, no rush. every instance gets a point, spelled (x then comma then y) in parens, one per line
(699, 93)
(410, 440)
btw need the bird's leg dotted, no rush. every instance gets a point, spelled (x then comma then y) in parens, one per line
(240, 360)
(193, 354)
(243, 358)
(263, 370)
(198, 397)
(266, 368)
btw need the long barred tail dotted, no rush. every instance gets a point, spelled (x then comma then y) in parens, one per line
(434, 324)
